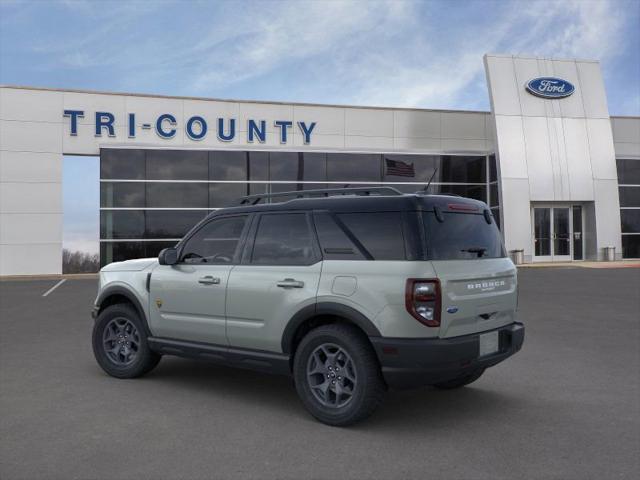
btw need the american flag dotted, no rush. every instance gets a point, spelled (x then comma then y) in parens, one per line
(399, 168)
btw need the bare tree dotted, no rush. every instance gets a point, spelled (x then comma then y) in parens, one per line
(79, 262)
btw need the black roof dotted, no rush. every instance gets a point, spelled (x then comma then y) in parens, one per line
(360, 203)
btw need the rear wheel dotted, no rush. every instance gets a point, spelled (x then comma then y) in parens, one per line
(120, 343)
(460, 381)
(337, 375)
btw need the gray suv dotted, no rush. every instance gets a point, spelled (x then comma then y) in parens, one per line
(351, 292)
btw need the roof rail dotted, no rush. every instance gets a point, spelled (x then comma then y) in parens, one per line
(324, 192)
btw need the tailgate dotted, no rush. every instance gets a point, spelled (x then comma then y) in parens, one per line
(477, 295)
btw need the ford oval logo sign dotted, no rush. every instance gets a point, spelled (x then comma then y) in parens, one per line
(550, 87)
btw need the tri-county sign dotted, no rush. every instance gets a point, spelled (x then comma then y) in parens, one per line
(196, 127)
(550, 87)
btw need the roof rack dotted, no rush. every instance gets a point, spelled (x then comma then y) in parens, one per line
(324, 192)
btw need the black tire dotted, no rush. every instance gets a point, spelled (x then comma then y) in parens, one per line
(123, 321)
(460, 381)
(352, 351)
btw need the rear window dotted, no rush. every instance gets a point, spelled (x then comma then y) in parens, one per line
(462, 236)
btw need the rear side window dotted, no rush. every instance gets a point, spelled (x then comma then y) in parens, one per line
(283, 239)
(380, 233)
(462, 236)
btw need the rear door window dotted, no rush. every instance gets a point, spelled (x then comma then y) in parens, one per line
(461, 236)
(284, 239)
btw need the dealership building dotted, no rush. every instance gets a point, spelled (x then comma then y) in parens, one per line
(560, 175)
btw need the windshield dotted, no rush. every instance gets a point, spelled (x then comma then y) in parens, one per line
(462, 236)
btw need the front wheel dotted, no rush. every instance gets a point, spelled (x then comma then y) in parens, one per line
(120, 343)
(337, 375)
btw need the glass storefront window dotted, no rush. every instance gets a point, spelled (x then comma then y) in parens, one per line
(125, 164)
(119, 195)
(630, 246)
(354, 167)
(629, 196)
(121, 224)
(493, 169)
(252, 173)
(630, 221)
(409, 168)
(628, 171)
(462, 169)
(231, 165)
(493, 191)
(171, 223)
(177, 165)
(291, 166)
(177, 195)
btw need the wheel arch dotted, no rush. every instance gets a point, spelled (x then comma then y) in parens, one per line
(323, 313)
(118, 294)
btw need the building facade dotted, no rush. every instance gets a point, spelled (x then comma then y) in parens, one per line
(561, 176)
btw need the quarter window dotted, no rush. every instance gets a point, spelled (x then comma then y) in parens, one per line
(216, 242)
(380, 233)
(283, 239)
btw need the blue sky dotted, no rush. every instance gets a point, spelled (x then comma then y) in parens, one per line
(392, 53)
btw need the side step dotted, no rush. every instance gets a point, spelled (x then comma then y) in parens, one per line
(259, 360)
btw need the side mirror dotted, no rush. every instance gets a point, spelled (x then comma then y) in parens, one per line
(168, 256)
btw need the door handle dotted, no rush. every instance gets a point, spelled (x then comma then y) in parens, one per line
(209, 280)
(290, 283)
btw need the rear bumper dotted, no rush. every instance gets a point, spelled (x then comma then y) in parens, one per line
(409, 362)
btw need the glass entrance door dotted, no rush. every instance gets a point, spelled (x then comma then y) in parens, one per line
(561, 234)
(557, 233)
(542, 233)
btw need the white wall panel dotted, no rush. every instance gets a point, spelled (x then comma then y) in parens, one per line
(538, 159)
(30, 167)
(626, 130)
(424, 144)
(513, 163)
(571, 106)
(368, 143)
(23, 228)
(31, 259)
(268, 112)
(607, 209)
(148, 109)
(329, 120)
(369, 122)
(465, 146)
(525, 70)
(601, 149)
(592, 84)
(501, 78)
(466, 126)
(30, 105)
(30, 197)
(91, 103)
(320, 142)
(417, 124)
(20, 136)
(516, 215)
(578, 159)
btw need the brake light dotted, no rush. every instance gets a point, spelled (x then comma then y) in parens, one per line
(422, 299)
(462, 207)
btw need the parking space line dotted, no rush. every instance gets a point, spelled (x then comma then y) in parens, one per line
(54, 287)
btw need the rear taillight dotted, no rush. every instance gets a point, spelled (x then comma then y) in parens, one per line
(422, 299)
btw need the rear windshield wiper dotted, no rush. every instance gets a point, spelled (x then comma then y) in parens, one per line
(480, 251)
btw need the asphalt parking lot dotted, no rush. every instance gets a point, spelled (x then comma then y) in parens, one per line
(567, 406)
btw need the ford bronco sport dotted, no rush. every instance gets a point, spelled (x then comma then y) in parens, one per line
(349, 291)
